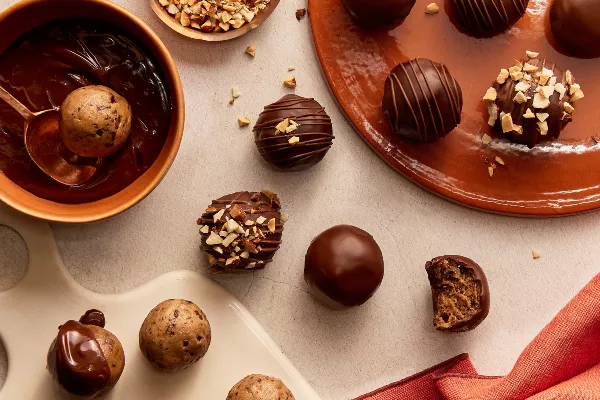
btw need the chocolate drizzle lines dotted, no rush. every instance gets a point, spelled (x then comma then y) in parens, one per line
(489, 17)
(315, 133)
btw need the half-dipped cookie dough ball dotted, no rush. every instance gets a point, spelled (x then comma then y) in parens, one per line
(85, 359)
(260, 387)
(175, 335)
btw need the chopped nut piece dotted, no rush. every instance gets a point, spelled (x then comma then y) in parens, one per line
(515, 69)
(284, 217)
(185, 19)
(235, 93)
(260, 220)
(218, 215)
(207, 26)
(491, 171)
(243, 121)
(172, 9)
(249, 246)
(271, 225)
(502, 76)
(552, 81)
(290, 82)
(204, 229)
(223, 233)
(545, 76)
(499, 160)
(493, 113)
(300, 13)
(518, 129)
(232, 225)
(542, 116)
(251, 50)
(486, 139)
(568, 107)
(249, 222)
(432, 8)
(520, 98)
(214, 239)
(532, 54)
(529, 68)
(529, 114)
(218, 250)
(540, 102)
(569, 77)
(546, 91)
(293, 140)
(245, 255)
(237, 213)
(490, 95)
(543, 127)
(516, 76)
(164, 3)
(231, 101)
(282, 126)
(536, 254)
(522, 86)
(232, 260)
(230, 238)
(561, 90)
(578, 95)
(291, 69)
(507, 123)
(212, 260)
(251, 265)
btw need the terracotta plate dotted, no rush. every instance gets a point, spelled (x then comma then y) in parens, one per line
(556, 178)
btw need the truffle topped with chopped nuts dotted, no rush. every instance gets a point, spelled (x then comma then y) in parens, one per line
(532, 101)
(242, 231)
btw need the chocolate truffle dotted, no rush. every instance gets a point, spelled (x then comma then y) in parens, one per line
(576, 26)
(343, 267)
(241, 231)
(422, 101)
(460, 293)
(485, 18)
(378, 13)
(85, 359)
(175, 335)
(260, 387)
(294, 133)
(532, 101)
(95, 121)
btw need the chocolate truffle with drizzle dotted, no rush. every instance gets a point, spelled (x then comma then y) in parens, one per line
(485, 18)
(294, 133)
(242, 231)
(532, 101)
(85, 359)
(422, 101)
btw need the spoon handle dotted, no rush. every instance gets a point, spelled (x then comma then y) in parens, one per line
(16, 104)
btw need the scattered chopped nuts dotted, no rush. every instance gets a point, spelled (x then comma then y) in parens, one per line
(499, 160)
(542, 116)
(540, 102)
(546, 91)
(486, 139)
(432, 8)
(561, 90)
(543, 125)
(516, 76)
(232, 225)
(529, 114)
(569, 77)
(502, 76)
(493, 112)
(520, 98)
(251, 50)
(282, 126)
(491, 171)
(284, 217)
(532, 54)
(293, 140)
(243, 121)
(536, 254)
(507, 123)
(229, 239)
(568, 107)
(235, 93)
(300, 13)
(522, 86)
(218, 215)
(204, 229)
(290, 82)
(529, 68)
(214, 239)
(291, 69)
(490, 95)
(271, 225)
(578, 95)
(260, 220)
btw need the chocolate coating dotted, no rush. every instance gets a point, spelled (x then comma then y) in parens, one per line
(485, 18)
(343, 267)
(315, 133)
(378, 13)
(460, 293)
(576, 26)
(251, 216)
(530, 131)
(76, 359)
(422, 101)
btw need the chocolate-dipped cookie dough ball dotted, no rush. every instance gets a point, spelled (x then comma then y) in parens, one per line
(260, 387)
(85, 359)
(378, 13)
(532, 101)
(294, 133)
(485, 18)
(343, 267)
(460, 293)
(95, 121)
(422, 101)
(576, 26)
(175, 335)
(242, 231)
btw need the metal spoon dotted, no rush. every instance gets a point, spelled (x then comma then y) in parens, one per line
(46, 148)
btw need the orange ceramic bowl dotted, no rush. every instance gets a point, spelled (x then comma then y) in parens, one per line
(28, 14)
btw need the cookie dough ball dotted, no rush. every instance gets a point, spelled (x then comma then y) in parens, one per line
(175, 335)
(113, 353)
(95, 121)
(260, 387)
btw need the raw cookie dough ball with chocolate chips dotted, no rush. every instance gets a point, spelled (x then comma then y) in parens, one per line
(95, 121)
(175, 335)
(260, 387)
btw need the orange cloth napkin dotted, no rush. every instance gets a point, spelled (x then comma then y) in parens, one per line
(561, 363)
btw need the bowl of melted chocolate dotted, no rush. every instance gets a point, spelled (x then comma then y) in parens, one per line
(50, 49)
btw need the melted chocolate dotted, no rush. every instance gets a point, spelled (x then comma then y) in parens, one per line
(43, 66)
(93, 317)
(485, 18)
(77, 362)
(576, 25)
(259, 245)
(315, 133)
(422, 101)
(343, 267)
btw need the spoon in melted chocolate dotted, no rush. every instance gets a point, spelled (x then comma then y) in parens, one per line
(93, 121)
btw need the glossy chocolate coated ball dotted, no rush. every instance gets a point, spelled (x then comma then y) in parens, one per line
(343, 267)
(485, 18)
(378, 13)
(576, 26)
(422, 101)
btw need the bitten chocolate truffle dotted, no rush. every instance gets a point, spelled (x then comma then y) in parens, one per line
(85, 359)
(378, 13)
(422, 101)
(532, 101)
(485, 18)
(460, 293)
(294, 133)
(242, 231)
(576, 26)
(343, 267)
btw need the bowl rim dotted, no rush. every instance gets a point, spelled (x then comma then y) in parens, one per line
(175, 136)
(191, 33)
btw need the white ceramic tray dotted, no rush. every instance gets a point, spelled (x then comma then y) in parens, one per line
(31, 312)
